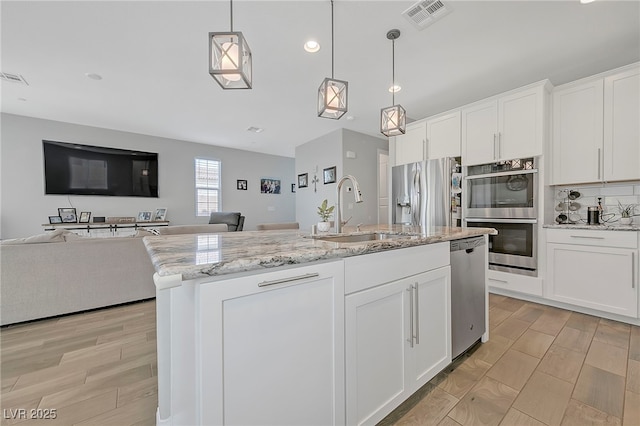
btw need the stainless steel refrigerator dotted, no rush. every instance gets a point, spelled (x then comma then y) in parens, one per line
(423, 195)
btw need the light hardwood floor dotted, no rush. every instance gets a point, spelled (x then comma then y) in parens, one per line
(542, 366)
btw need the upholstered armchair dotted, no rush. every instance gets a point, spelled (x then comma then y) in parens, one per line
(233, 220)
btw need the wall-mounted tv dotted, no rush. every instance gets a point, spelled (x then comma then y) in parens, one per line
(74, 169)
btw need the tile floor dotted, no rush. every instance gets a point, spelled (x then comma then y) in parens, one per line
(541, 366)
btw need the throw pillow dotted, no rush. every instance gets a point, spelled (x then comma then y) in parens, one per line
(57, 236)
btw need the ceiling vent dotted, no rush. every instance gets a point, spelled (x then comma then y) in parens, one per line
(13, 78)
(425, 13)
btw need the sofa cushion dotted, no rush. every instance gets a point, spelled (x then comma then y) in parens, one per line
(57, 236)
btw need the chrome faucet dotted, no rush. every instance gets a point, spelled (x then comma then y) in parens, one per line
(356, 192)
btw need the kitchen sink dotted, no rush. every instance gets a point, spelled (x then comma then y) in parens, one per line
(358, 238)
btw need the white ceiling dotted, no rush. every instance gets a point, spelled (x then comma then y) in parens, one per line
(153, 59)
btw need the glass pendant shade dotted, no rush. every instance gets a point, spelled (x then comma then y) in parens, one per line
(332, 98)
(393, 121)
(230, 60)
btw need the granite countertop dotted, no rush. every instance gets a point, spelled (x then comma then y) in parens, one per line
(202, 255)
(601, 227)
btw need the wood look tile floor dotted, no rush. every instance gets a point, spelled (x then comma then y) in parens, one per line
(542, 366)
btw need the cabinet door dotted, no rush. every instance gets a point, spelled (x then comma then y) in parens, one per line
(577, 134)
(273, 348)
(410, 146)
(520, 124)
(479, 133)
(621, 129)
(444, 136)
(376, 322)
(594, 277)
(432, 327)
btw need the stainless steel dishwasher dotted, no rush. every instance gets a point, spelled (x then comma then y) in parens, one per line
(467, 293)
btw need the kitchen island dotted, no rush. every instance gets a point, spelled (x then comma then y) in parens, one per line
(275, 327)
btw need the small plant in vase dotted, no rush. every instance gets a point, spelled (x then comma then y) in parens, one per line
(627, 213)
(325, 213)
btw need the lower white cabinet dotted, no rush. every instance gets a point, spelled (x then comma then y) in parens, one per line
(272, 348)
(594, 269)
(397, 338)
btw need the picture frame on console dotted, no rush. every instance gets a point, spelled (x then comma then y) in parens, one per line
(68, 214)
(55, 219)
(160, 215)
(144, 217)
(84, 217)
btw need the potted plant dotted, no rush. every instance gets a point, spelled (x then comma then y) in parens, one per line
(626, 212)
(325, 213)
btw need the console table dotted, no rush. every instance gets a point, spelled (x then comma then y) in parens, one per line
(104, 229)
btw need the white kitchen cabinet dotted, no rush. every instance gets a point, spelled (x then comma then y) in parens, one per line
(596, 137)
(593, 269)
(397, 336)
(444, 135)
(273, 348)
(505, 127)
(621, 145)
(410, 147)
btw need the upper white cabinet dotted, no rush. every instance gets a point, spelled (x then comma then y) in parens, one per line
(444, 135)
(596, 136)
(410, 146)
(508, 126)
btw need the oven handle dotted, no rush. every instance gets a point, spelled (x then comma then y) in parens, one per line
(508, 173)
(489, 220)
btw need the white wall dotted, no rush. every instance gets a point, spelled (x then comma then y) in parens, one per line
(24, 207)
(331, 150)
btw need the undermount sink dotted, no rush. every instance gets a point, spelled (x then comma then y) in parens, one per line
(357, 238)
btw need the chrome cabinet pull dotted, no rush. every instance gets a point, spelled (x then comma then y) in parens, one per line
(499, 145)
(288, 280)
(587, 237)
(494, 146)
(417, 300)
(633, 269)
(426, 149)
(599, 161)
(410, 339)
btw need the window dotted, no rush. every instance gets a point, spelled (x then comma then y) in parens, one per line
(207, 186)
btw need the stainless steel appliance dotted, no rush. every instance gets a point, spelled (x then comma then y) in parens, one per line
(422, 194)
(504, 196)
(515, 247)
(468, 305)
(502, 190)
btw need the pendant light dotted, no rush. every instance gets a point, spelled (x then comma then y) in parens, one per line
(332, 93)
(230, 58)
(393, 119)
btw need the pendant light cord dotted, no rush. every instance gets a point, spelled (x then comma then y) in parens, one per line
(231, 13)
(332, 39)
(393, 71)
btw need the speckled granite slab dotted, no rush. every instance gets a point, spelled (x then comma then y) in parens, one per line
(603, 227)
(201, 255)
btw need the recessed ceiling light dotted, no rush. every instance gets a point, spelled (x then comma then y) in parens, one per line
(255, 129)
(312, 46)
(22, 99)
(586, 1)
(93, 76)
(395, 88)
(350, 117)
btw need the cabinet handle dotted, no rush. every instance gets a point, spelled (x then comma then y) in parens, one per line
(633, 270)
(599, 161)
(494, 146)
(288, 280)
(587, 237)
(417, 301)
(410, 339)
(500, 281)
(499, 145)
(426, 148)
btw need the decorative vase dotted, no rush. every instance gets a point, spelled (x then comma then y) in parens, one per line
(324, 226)
(626, 220)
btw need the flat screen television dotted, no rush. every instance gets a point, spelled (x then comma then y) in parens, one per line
(74, 169)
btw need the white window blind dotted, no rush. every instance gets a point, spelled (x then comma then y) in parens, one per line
(207, 186)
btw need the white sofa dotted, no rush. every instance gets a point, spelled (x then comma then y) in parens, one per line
(59, 273)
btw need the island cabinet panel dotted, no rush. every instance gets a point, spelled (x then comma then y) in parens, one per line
(397, 331)
(272, 348)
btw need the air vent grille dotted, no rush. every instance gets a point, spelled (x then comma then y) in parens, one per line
(13, 78)
(425, 13)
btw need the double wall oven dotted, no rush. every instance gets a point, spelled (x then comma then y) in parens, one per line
(504, 196)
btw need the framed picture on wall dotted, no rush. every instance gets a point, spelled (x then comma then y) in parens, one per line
(269, 186)
(303, 180)
(241, 184)
(329, 174)
(68, 214)
(293, 187)
(84, 217)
